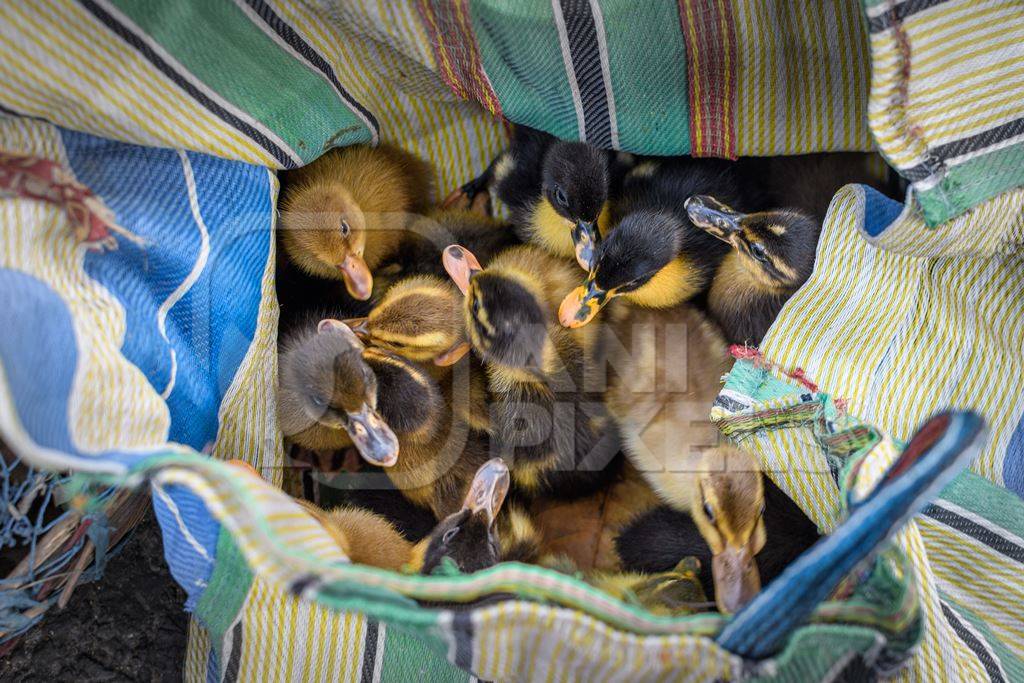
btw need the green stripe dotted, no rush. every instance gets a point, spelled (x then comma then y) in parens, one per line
(996, 504)
(522, 57)
(651, 120)
(226, 591)
(221, 47)
(409, 657)
(971, 183)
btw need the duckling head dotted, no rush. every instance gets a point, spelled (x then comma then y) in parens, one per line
(419, 318)
(327, 385)
(470, 537)
(643, 244)
(728, 509)
(503, 319)
(575, 183)
(776, 247)
(324, 232)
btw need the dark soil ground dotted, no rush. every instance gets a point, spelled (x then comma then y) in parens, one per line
(129, 626)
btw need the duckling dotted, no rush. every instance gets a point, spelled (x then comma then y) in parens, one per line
(655, 257)
(556, 191)
(344, 215)
(657, 539)
(772, 256)
(674, 592)
(537, 371)
(439, 451)
(468, 536)
(667, 367)
(327, 395)
(420, 318)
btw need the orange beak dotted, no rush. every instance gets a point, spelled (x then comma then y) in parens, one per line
(461, 265)
(358, 280)
(581, 305)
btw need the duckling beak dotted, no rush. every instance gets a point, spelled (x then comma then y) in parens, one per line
(581, 304)
(488, 490)
(358, 280)
(736, 578)
(714, 217)
(372, 437)
(585, 239)
(360, 326)
(452, 355)
(461, 266)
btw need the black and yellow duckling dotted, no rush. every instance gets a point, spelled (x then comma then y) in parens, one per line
(468, 536)
(327, 395)
(556, 191)
(344, 215)
(655, 257)
(657, 539)
(541, 416)
(772, 256)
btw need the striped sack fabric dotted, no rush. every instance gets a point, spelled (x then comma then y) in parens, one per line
(128, 363)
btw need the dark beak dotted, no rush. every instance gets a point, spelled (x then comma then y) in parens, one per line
(487, 492)
(581, 304)
(585, 239)
(372, 437)
(714, 217)
(736, 578)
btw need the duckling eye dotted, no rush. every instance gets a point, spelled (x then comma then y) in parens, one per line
(450, 534)
(757, 250)
(318, 401)
(709, 513)
(345, 230)
(560, 198)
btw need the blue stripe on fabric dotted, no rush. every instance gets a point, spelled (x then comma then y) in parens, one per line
(39, 355)
(190, 539)
(1013, 461)
(879, 211)
(211, 327)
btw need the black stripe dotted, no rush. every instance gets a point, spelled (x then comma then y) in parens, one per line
(234, 661)
(370, 650)
(977, 647)
(990, 538)
(462, 629)
(900, 12)
(975, 143)
(185, 84)
(586, 64)
(288, 34)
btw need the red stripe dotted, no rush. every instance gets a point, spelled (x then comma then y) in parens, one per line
(710, 37)
(457, 51)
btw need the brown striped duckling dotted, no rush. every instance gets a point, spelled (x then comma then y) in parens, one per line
(772, 256)
(468, 536)
(345, 215)
(536, 369)
(327, 395)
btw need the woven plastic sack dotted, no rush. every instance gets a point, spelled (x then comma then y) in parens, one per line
(165, 347)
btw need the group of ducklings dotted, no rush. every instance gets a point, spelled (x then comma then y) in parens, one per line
(465, 357)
